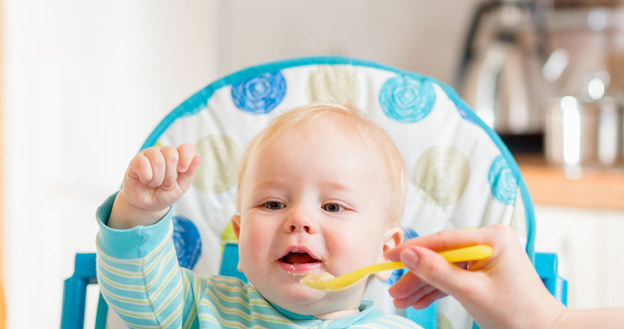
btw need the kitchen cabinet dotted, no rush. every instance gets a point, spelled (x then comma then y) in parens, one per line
(580, 216)
(589, 244)
(591, 188)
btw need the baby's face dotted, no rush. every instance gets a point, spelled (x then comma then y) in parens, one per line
(312, 201)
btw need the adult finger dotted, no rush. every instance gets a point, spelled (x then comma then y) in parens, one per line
(415, 297)
(428, 299)
(406, 286)
(432, 268)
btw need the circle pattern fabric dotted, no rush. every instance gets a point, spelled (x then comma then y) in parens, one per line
(333, 84)
(217, 170)
(187, 241)
(261, 94)
(441, 174)
(444, 322)
(502, 181)
(406, 99)
(518, 221)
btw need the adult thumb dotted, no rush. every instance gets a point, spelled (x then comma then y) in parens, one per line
(432, 268)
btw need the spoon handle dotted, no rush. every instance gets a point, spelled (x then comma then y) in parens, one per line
(465, 254)
(477, 252)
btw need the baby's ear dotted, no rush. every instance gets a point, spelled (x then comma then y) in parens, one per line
(236, 225)
(236, 228)
(393, 238)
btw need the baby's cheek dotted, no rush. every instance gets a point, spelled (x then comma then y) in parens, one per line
(357, 247)
(253, 242)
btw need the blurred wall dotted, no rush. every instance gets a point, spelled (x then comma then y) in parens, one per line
(86, 81)
(421, 36)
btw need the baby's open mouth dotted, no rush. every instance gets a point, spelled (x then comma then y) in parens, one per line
(296, 258)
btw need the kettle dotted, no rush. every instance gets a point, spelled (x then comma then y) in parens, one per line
(501, 80)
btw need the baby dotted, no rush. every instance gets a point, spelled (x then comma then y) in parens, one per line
(321, 189)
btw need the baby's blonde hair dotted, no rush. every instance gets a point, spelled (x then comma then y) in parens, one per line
(353, 122)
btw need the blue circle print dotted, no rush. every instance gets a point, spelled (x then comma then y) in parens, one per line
(408, 233)
(502, 181)
(261, 94)
(187, 241)
(406, 99)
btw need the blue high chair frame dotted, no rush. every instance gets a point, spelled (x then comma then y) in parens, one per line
(75, 287)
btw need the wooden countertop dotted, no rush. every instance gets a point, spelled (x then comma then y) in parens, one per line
(590, 188)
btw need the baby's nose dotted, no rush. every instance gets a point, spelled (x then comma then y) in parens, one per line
(300, 221)
(294, 228)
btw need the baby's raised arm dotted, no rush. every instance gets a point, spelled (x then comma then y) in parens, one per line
(156, 178)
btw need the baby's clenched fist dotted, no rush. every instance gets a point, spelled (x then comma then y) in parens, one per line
(156, 178)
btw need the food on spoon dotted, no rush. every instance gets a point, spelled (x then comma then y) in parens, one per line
(314, 279)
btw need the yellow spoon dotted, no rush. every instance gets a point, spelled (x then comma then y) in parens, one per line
(326, 281)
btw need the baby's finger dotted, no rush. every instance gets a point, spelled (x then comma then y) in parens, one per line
(186, 178)
(186, 153)
(170, 154)
(140, 169)
(157, 161)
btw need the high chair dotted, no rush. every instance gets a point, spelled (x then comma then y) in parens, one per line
(460, 172)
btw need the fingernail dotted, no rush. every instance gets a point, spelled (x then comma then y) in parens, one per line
(409, 258)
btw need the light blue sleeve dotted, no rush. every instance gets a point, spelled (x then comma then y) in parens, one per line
(139, 276)
(131, 243)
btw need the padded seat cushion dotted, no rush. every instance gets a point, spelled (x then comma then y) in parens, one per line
(460, 173)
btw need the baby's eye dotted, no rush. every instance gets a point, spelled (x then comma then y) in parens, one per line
(274, 205)
(332, 207)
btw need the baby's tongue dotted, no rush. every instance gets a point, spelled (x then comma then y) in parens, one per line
(298, 258)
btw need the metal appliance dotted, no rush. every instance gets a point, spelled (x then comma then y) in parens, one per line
(500, 74)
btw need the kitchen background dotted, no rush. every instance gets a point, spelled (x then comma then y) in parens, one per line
(84, 82)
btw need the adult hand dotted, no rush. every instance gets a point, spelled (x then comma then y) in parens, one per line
(503, 291)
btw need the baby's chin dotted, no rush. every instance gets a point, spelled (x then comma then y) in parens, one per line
(304, 300)
(293, 293)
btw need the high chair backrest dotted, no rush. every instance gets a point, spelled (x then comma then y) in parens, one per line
(460, 172)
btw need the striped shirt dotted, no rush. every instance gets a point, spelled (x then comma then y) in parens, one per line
(140, 279)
